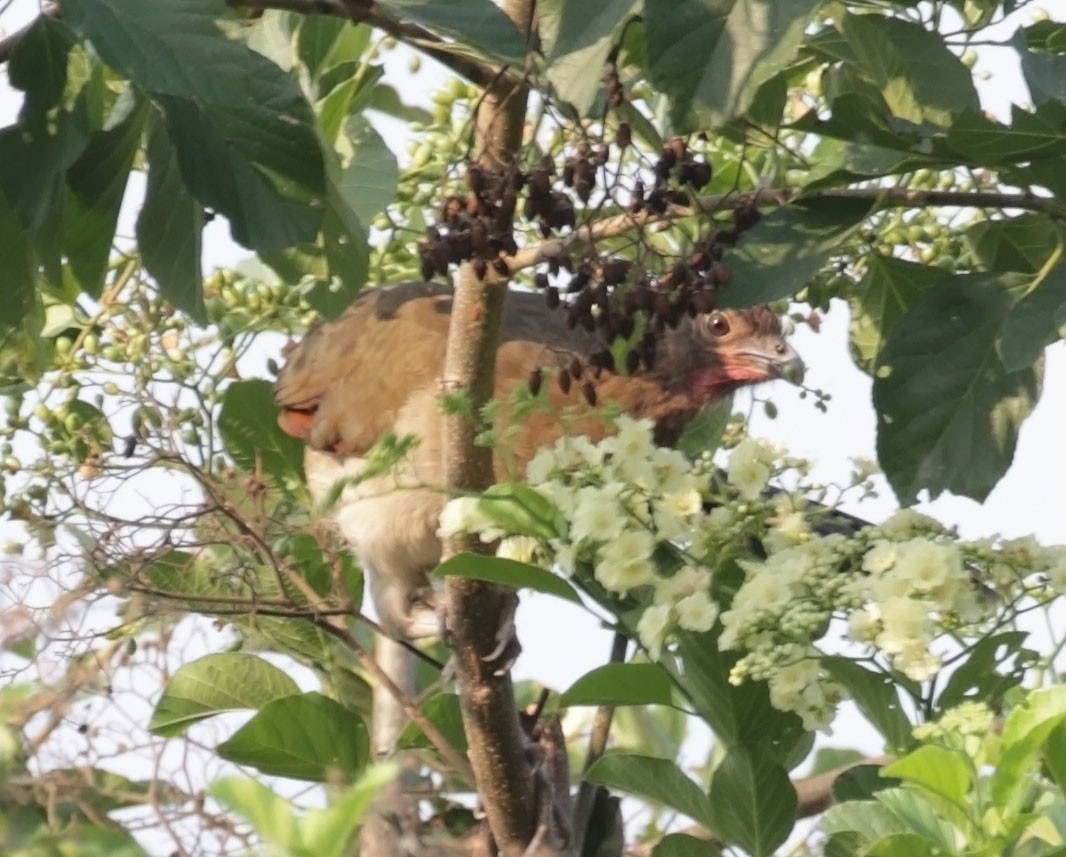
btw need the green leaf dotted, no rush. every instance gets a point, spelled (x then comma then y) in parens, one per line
(1030, 136)
(904, 845)
(324, 42)
(1034, 321)
(711, 56)
(248, 424)
(270, 815)
(1026, 729)
(1044, 73)
(329, 832)
(921, 817)
(583, 35)
(737, 714)
(870, 819)
(861, 783)
(753, 802)
(368, 179)
(20, 268)
(478, 23)
(704, 433)
(877, 697)
(244, 134)
(304, 737)
(38, 64)
(444, 712)
(170, 229)
(683, 845)
(96, 184)
(985, 674)
(920, 79)
(230, 681)
(1023, 243)
(940, 770)
(620, 684)
(954, 428)
(888, 290)
(520, 510)
(786, 248)
(507, 572)
(658, 780)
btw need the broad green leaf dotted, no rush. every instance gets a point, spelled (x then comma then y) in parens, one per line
(887, 291)
(20, 268)
(620, 684)
(954, 428)
(877, 697)
(170, 228)
(704, 433)
(478, 23)
(1055, 754)
(304, 737)
(583, 34)
(710, 57)
(38, 64)
(85, 840)
(940, 770)
(329, 832)
(867, 817)
(271, 816)
(444, 712)
(507, 572)
(921, 80)
(521, 510)
(861, 783)
(96, 184)
(683, 845)
(248, 424)
(230, 681)
(753, 802)
(1024, 732)
(787, 247)
(904, 845)
(368, 180)
(921, 817)
(658, 780)
(1034, 321)
(985, 674)
(324, 42)
(1030, 136)
(244, 133)
(737, 714)
(1044, 73)
(1023, 243)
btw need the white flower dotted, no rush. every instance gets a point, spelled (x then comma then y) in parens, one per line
(748, 470)
(696, 612)
(906, 521)
(927, 565)
(880, 558)
(917, 663)
(1056, 573)
(652, 628)
(904, 625)
(673, 471)
(625, 561)
(462, 515)
(863, 626)
(542, 466)
(633, 441)
(787, 531)
(519, 548)
(684, 582)
(598, 516)
(764, 592)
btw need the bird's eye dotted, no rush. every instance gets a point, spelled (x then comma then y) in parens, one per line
(718, 324)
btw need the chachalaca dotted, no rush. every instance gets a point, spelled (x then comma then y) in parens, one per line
(377, 369)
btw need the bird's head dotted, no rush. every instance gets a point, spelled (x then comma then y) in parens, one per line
(715, 352)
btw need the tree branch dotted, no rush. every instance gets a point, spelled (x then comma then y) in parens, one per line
(620, 224)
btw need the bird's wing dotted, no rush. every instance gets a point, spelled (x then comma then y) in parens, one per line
(344, 384)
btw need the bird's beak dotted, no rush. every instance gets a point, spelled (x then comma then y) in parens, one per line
(789, 366)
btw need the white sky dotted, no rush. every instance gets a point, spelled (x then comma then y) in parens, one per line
(1030, 499)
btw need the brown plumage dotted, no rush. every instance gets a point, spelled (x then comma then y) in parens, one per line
(377, 369)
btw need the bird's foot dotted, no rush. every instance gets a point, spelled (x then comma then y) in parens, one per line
(507, 650)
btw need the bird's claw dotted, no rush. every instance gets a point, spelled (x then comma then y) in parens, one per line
(507, 649)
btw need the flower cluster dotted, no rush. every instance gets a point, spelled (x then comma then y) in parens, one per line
(648, 526)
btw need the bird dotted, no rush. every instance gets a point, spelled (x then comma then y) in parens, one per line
(376, 370)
